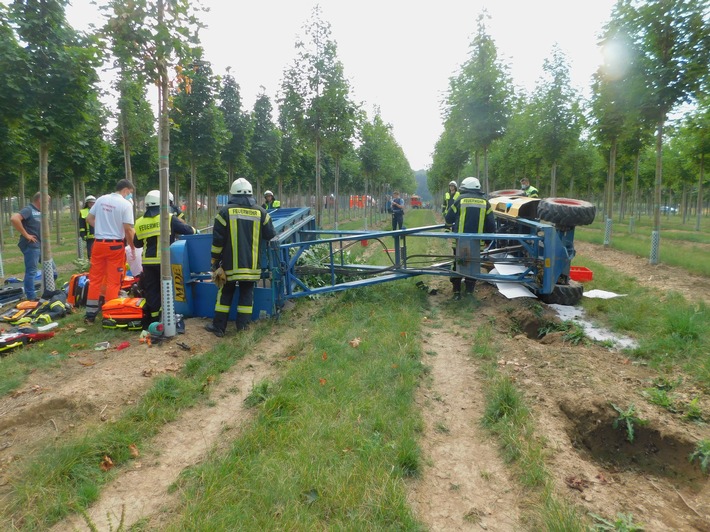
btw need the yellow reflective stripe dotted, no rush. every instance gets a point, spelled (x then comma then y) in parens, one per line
(234, 233)
(221, 308)
(219, 219)
(255, 230)
(244, 310)
(216, 249)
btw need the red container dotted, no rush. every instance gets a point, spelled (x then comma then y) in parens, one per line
(581, 274)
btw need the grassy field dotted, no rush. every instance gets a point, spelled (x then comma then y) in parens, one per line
(675, 236)
(352, 409)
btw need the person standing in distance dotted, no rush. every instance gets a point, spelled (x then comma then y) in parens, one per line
(450, 197)
(270, 202)
(470, 213)
(28, 222)
(239, 229)
(112, 219)
(530, 191)
(397, 211)
(174, 209)
(86, 232)
(148, 237)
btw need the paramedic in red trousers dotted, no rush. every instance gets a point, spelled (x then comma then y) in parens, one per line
(238, 231)
(112, 219)
(148, 237)
(470, 213)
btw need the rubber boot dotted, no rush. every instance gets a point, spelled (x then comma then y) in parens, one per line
(243, 321)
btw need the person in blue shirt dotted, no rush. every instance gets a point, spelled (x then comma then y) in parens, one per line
(397, 211)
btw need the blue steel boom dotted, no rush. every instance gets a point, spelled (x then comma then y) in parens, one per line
(541, 251)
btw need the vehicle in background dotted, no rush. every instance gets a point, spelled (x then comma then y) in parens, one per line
(415, 202)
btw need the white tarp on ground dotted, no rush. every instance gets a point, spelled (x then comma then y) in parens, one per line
(602, 334)
(602, 294)
(511, 290)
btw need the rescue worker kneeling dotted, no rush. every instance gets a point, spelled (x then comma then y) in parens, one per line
(239, 228)
(148, 237)
(470, 213)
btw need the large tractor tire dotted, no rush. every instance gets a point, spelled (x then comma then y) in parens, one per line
(506, 192)
(564, 294)
(566, 212)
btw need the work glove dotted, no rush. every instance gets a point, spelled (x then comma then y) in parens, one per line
(219, 278)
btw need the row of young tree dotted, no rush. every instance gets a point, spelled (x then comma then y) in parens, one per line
(655, 60)
(51, 111)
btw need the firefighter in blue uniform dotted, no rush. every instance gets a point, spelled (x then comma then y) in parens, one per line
(470, 213)
(239, 229)
(148, 237)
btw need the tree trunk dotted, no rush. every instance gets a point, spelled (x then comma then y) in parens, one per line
(58, 209)
(336, 192)
(553, 180)
(193, 193)
(659, 177)
(635, 210)
(47, 271)
(169, 326)
(319, 199)
(485, 168)
(699, 214)
(22, 198)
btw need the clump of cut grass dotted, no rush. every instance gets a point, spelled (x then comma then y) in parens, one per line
(259, 393)
(692, 411)
(701, 454)
(660, 398)
(622, 523)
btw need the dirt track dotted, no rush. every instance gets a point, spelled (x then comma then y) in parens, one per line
(464, 485)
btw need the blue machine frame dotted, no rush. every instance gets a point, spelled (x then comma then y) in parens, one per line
(542, 252)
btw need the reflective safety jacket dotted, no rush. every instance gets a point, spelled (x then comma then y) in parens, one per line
(239, 228)
(449, 201)
(86, 231)
(148, 233)
(532, 192)
(471, 213)
(275, 204)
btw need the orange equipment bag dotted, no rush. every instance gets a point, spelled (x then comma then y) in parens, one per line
(123, 313)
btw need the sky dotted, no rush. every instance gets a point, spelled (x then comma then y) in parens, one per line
(398, 55)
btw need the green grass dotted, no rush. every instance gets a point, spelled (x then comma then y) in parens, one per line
(335, 438)
(671, 331)
(694, 245)
(66, 477)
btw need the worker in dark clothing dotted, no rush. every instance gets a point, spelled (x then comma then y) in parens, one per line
(148, 237)
(530, 191)
(450, 197)
(270, 202)
(397, 206)
(239, 229)
(470, 213)
(174, 209)
(86, 231)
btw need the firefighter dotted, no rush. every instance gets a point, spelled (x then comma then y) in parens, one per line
(86, 231)
(530, 191)
(148, 237)
(470, 213)
(270, 203)
(450, 197)
(174, 209)
(238, 231)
